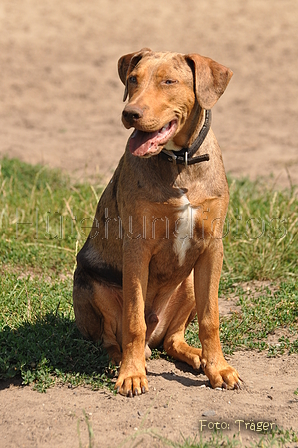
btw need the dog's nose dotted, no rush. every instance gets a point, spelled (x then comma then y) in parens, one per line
(131, 114)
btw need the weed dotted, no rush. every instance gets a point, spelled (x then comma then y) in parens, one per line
(277, 438)
(90, 431)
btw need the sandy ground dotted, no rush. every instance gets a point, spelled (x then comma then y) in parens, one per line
(179, 403)
(61, 99)
(60, 104)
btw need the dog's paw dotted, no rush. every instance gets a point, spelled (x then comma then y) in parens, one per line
(131, 385)
(222, 375)
(229, 378)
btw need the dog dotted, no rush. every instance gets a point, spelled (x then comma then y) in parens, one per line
(154, 254)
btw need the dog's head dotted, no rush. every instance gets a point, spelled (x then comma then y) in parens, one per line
(166, 93)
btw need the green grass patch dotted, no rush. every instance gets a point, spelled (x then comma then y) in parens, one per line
(39, 339)
(261, 315)
(42, 216)
(261, 236)
(44, 220)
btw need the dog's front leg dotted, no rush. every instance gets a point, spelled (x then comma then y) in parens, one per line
(132, 376)
(207, 275)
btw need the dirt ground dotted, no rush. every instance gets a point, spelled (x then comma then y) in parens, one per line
(60, 104)
(179, 403)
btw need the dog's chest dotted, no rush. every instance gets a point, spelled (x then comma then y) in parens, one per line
(179, 238)
(185, 229)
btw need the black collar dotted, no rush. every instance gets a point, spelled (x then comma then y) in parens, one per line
(185, 155)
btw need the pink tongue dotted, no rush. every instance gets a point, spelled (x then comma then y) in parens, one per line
(140, 143)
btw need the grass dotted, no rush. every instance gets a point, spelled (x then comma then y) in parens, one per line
(41, 215)
(261, 233)
(277, 438)
(262, 315)
(90, 431)
(44, 220)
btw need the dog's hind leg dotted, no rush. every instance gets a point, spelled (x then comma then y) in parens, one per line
(98, 315)
(89, 319)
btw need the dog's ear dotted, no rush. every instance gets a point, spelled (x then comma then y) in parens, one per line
(210, 79)
(126, 63)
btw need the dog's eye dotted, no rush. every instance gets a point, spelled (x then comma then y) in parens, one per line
(132, 79)
(168, 82)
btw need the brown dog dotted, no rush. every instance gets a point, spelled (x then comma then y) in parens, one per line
(154, 254)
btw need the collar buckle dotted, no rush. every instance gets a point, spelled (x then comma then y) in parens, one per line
(171, 156)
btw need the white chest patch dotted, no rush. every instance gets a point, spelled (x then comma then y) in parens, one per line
(184, 226)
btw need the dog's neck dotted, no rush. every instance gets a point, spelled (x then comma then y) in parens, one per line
(171, 146)
(185, 155)
(189, 131)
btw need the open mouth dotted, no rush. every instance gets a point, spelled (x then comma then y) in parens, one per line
(146, 143)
